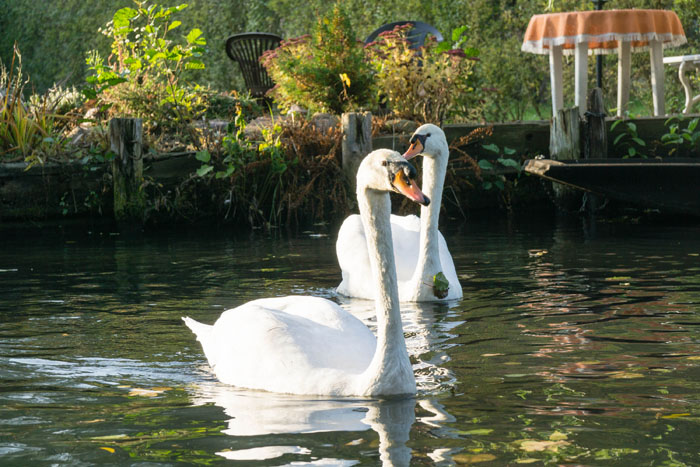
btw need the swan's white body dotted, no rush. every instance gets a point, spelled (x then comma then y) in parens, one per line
(310, 345)
(419, 248)
(405, 233)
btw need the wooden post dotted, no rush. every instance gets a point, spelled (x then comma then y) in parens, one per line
(596, 139)
(125, 136)
(565, 144)
(596, 136)
(357, 142)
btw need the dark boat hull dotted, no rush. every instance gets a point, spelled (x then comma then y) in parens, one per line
(668, 184)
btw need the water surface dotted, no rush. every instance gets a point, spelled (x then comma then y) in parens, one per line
(573, 345)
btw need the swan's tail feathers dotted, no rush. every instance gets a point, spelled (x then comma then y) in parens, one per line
(202, 331)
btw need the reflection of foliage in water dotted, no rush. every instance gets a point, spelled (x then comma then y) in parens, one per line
(159, 444)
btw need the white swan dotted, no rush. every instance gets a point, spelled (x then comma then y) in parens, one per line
(310, 345)
(420, 249)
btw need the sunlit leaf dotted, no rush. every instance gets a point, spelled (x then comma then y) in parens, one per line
(195, 65)
(122, 17)
(153, 392)
(476, 431)
(625, 375)
(194, 37)
(676, 415)
(110, 437)
(538, 446)
(618, 278)
(473, 458)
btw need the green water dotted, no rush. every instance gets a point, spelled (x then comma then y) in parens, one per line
(573, 345)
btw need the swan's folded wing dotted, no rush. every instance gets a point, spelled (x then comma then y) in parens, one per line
(286, 343)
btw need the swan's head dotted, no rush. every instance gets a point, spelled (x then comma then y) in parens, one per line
(386, 170)
(428, 140)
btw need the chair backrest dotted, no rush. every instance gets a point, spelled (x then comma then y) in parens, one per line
(246, 49)
(416, 36)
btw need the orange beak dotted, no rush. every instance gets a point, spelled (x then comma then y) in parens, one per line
(413, 150)
(409, 189)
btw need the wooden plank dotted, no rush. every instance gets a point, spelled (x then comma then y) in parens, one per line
(669, 184)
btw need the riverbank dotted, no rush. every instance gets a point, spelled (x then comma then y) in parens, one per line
(81, 191)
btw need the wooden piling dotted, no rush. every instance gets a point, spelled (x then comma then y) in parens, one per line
(595, 130)
(357, 142)
(595, 140)
(125, 135)
(565, 144)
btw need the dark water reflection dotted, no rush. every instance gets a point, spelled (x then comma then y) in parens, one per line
(571, 346)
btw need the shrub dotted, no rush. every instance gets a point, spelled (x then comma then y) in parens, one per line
(28, 131)
(146, 74)
(290, 174)
(425, 84)
(326, 71)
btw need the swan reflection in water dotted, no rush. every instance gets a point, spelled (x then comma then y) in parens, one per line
(257, 413)
(428, 327)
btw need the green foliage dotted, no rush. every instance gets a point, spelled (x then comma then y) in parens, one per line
(27, 130)
(148, 75)
(226, 107)
(509, 84)
(492, 174)
(428, 84)
(627, 142)
(684, 141)
(326, 71)
(259, 190)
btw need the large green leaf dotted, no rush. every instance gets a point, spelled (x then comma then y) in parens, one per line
(441, 286)
(194, 37)
(122, 19)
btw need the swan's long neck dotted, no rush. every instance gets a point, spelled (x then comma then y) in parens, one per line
(434, 169)
(390, 371)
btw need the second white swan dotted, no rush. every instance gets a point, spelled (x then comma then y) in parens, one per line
(420, 250)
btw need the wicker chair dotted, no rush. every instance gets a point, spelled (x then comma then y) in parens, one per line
(416, 36)
(246, 50)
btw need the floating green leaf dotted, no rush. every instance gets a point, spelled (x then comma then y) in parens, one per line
(441, 285)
